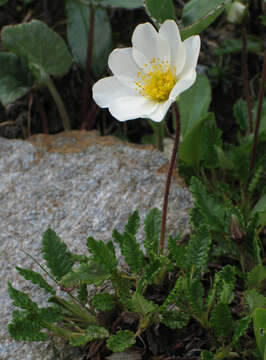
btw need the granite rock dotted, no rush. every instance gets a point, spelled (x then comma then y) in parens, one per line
(80, 185)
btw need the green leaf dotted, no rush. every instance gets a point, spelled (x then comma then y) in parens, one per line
(254, 299)
(256, 276)
(195, 297)
(36, 279)
(102, 255)
(230, 46)
(209, 207)
(78, 27)
(3, 2)
(160, 10)
(240, 328)
(260, 208)
(206, 355)
(152, 228)
(177, 251)
(15, 78)
(25, 327)
(194, 103)
(125, 4)
(50, 314)
(22, 300)
(83, 294)
(259, 321)
(92, 273)
(133, 255)
(103, 301)
(225, 284)
(55, 252)
(221, 320)
(174, 319)
(142, 306)
(93, 332)
(45, 51)
(198, 250)
(133, 223)
(122, 340)
(241, 114)
(194, 10)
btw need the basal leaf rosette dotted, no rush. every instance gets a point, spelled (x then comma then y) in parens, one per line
(149, 76)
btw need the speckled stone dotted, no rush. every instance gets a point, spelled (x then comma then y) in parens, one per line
(80, 185)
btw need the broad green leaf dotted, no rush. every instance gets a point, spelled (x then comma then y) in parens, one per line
(132, 225)
(15, 77)
(91, 273)
(125, 4)
(255, 299)
(93, 332)
(22, 300)
(221, 320)
(36, 279)
(259, 321)
(152, 227)
(103, 301)
(50, 314)
(240, 328)
(142, 306)
(174, 319)
(78, 26)
(160, 10)
(224, 162)
(45, 51)
(133, 254)
(260, 208)
(102, 255)
(194, 9)
(194, 103)
(25, 327)
(256, 276)
(55, 252)
(122, 340)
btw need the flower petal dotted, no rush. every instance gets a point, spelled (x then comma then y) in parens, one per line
(131, 107)
(183, 84)
(169, 31)
(160, 111)
(121, 62)
(192, 45)
(148, 45)
(108, 89)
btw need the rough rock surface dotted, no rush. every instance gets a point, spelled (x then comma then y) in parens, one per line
(79, 184)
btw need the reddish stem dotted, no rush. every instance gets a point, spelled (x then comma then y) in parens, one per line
(258, 118)
(87, 125)
(245, 78)
(169, 177)
(88, 66)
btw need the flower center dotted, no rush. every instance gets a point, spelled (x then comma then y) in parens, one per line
(157, 82)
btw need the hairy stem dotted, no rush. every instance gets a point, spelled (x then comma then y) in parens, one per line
(258, 118)
(88, 68)
(59, 103)
(169, 178)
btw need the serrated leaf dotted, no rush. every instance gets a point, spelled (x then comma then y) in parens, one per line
(152, 269)
(226, 284)
(142, 306)
(194, 103)
(55, 252)
(15, 78)
(36, 279)
(103, 301)
(240, 110)
(177, 251)
(133, 255)
(209, 207)
(195, 297)
(102, 255)
(152, 228)
(198, 250)
(260, 208)
(93, 332)
(256, 276)
(122, 340)
(160, 10)
(91, 273)
(240, 328)
(43, 48)
(254, 299)
(50, 314)
(132, 225)
(221, 320)
(259, 320)
(25, 327)
(125, 4)
(174, 319)
(83, 294)
(78, 27)
(22, 300)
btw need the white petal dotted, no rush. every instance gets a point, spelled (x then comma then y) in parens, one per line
(131, 107)
(169, 31)
(148, 45)
(121, 62)
(161, 110)
(183, 84)
(192, 45)
(109, 89)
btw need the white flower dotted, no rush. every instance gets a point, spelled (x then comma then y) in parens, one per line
(149, 76)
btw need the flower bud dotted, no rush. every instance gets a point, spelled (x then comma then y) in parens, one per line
(235, 12)
(236, 231)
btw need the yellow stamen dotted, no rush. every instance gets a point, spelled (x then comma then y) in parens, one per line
(158, 82)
